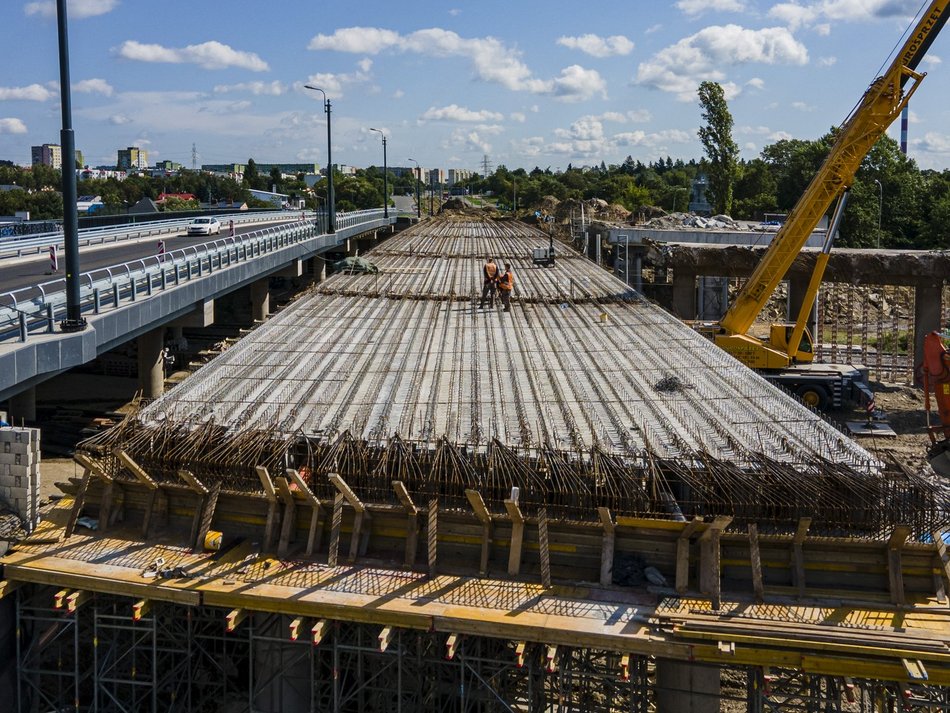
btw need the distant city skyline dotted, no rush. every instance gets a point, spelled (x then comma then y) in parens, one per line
(527, 84)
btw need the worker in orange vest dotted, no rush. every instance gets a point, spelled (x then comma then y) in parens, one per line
(490, 275)
(506, 283)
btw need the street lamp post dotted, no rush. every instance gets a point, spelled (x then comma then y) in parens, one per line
(331, 203)
(385, 176)
(880, 210)
(418, 183)
(74, 320)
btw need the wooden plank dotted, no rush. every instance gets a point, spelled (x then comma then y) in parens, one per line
(8, 587)
(357, 533)
(412, 523)
(335, 523)
(755, 560)
(682, 554)
(149, 508)
(346, 492)
(432, 537)
(192, 482)
(484, 517)
(89, 464)
(106, 504)
(266, 483)
(544, 550)
(78, 503)
(895, 565)
(517, 537)
(273, 508)
(135, 469)
(207, 515)
(313, 536)
(607, 547)
(709, 566)
(798, 555)
(289, 516)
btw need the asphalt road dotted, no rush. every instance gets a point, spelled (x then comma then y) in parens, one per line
(16, 273)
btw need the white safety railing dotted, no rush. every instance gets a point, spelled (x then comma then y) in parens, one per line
(19, 245)
(36, 309)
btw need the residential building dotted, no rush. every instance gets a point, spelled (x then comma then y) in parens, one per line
(132, 158)
(459, 175)
(47, 155)
(436, 176)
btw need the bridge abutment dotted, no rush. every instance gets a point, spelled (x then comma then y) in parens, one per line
(23, 406)
(260, 299)
(151, 363)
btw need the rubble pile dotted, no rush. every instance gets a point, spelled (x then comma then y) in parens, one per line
(674, 221)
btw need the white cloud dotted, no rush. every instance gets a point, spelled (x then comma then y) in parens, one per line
(365, 64)
(94, 86)
(209, 55)
(77, 9)
(454, 112)
(578, 84)
(780, 136)
(12, 125)
(32, 92)
(694, 8)
(273, 89)
(680, 67)
(597, 46)
(334, 84)
(469, 141)
(491, 60)
(518, 116)
(932, 142)
(827, 61)
(802, 106)
(756, 83)
(639, 116)
(398, 94)
(586, 139)
(120, 120)
(653, 28)
(816, 14)
(932, 59)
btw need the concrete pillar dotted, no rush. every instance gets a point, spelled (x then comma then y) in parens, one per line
(317, 268)
(260, 299)
(683, 687)
(684, 294)
(151, 363)
(23, 406)
(797, 287)
(927, 313)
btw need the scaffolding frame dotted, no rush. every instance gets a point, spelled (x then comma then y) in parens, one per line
(99, 657)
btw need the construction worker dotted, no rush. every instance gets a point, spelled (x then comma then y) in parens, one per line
(506, 283)
(490, 275)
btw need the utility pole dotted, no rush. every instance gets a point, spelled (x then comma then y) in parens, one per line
(194, 157)
(331, 202)
(385, 177)
(418, 175)
(74, 321)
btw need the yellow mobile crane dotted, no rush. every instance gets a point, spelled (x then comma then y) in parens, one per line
(788, 353)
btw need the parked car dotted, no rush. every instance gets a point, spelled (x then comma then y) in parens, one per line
(204, 226)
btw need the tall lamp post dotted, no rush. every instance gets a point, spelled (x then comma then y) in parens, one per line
(385, 176)
(418, 182)
(74, 320)
(880, 210)
(331, 202)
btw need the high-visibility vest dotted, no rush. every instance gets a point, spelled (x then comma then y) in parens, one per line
(507, 281)
(490, 270)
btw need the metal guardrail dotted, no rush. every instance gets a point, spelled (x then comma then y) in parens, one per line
(37, 308)
(19, 245)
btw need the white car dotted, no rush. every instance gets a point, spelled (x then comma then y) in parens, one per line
(204, 226)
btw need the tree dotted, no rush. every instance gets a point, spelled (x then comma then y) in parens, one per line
(721, 151)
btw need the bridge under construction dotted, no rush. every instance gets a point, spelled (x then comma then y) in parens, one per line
(386, 498)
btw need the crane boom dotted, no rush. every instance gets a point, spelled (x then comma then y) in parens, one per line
(881, 104)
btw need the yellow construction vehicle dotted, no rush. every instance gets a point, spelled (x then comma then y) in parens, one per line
(787, 354)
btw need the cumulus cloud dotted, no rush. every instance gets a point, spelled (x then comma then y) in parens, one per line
(694, 8)
(74, 9)
(756, 83)
(597, 46)
(94, 86)
(334, 84)
(518, 116)
(469, 141)
(11, 125)
(273, 89)
(816, 14)
(454, 112)
(491, 60)
(933, 142)
(827, 61)
(120, 120)
(587, 139)
(208, 55)
(32, 92)
(802, 106)
(680, 67)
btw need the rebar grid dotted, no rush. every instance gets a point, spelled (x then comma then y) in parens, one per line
(584, 396)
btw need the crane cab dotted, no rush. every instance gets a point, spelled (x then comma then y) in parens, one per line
(781, 333)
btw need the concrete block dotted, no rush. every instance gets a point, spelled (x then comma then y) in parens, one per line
(16, 458)
(22, 471)
(20, 448)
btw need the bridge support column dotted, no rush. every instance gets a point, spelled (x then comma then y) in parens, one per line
(683, 687)
(260, 299)
(317, 267)
(23, 406)
(151, 363)
(684, 294)
(927, 313)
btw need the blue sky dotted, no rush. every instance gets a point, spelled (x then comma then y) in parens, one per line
(527, 83)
